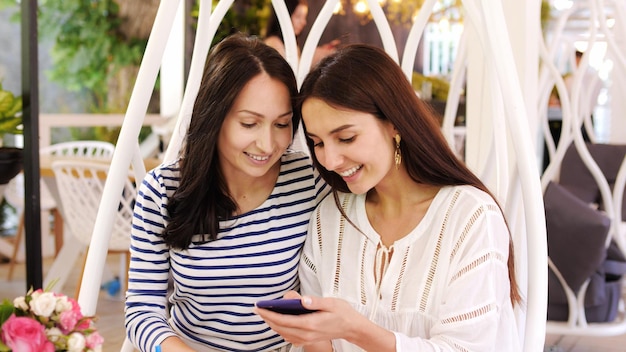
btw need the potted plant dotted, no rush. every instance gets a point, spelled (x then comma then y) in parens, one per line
(10, 121)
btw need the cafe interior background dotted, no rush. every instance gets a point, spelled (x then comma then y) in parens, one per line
(80, 70)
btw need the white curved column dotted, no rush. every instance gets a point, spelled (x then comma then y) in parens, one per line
(172, 74)
(617, 89)
(500, 149)
(127, 144)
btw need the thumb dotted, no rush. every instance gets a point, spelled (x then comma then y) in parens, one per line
(313, 303)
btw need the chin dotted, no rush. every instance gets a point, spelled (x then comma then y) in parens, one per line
(357, 189)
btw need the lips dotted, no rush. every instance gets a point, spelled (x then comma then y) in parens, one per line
(258, 157)
(351, 171)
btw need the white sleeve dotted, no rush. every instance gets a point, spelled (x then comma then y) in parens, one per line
(410, 344)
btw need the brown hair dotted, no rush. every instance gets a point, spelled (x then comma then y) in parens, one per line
(202, 198)
(364, 78)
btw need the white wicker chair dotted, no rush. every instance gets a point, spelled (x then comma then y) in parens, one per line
(81, 184)
(14, 192)
(90, 149)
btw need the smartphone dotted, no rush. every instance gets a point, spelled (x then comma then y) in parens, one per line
(284, 306)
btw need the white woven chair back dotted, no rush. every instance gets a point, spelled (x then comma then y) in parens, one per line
(14, 192)
(92, 149)
(80, 185)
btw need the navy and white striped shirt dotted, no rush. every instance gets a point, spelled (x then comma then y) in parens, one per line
(216, 284)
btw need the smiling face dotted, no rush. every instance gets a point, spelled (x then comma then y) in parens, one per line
(356, 145)
(257, 130)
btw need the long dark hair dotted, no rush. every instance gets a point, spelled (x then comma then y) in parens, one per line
(202, 198)
(273, 27)
(364, 78)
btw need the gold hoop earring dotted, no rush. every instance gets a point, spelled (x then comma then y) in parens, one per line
(397, 153)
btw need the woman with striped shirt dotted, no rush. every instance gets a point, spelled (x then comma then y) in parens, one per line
(225, 223)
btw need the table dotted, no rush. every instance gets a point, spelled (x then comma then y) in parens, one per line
(45, 163)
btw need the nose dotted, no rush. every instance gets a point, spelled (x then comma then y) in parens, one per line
(265, 140)
(330, 158)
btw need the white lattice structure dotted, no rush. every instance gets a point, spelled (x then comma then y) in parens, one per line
(595, 30)
(501, 74)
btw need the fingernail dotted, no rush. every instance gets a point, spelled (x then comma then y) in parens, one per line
(307, 300)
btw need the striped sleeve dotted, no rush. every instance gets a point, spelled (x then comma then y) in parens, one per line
(146, 298)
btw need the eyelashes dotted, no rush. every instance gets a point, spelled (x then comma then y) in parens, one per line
(341, 140)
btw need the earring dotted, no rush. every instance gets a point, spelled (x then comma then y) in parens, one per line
(397, 154)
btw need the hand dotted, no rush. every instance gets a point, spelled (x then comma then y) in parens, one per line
(334, 319)
(325, 50)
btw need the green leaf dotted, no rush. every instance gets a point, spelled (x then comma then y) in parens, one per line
(6, 101)
(51, 285)
(3, 347)
(10, 112)
(5, 4)
(10, 125)
(6, 309)
(15, 110)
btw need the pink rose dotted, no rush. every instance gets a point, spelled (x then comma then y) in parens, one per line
(83, 324)
(23, 334)
(68, 320)
(73, 319)
(75, 306)
(94, 340)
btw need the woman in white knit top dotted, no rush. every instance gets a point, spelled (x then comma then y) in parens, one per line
(413, 253)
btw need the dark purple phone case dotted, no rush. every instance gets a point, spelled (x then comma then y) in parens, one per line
(284, 306)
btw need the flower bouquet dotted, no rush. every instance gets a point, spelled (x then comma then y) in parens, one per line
(45, 321)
